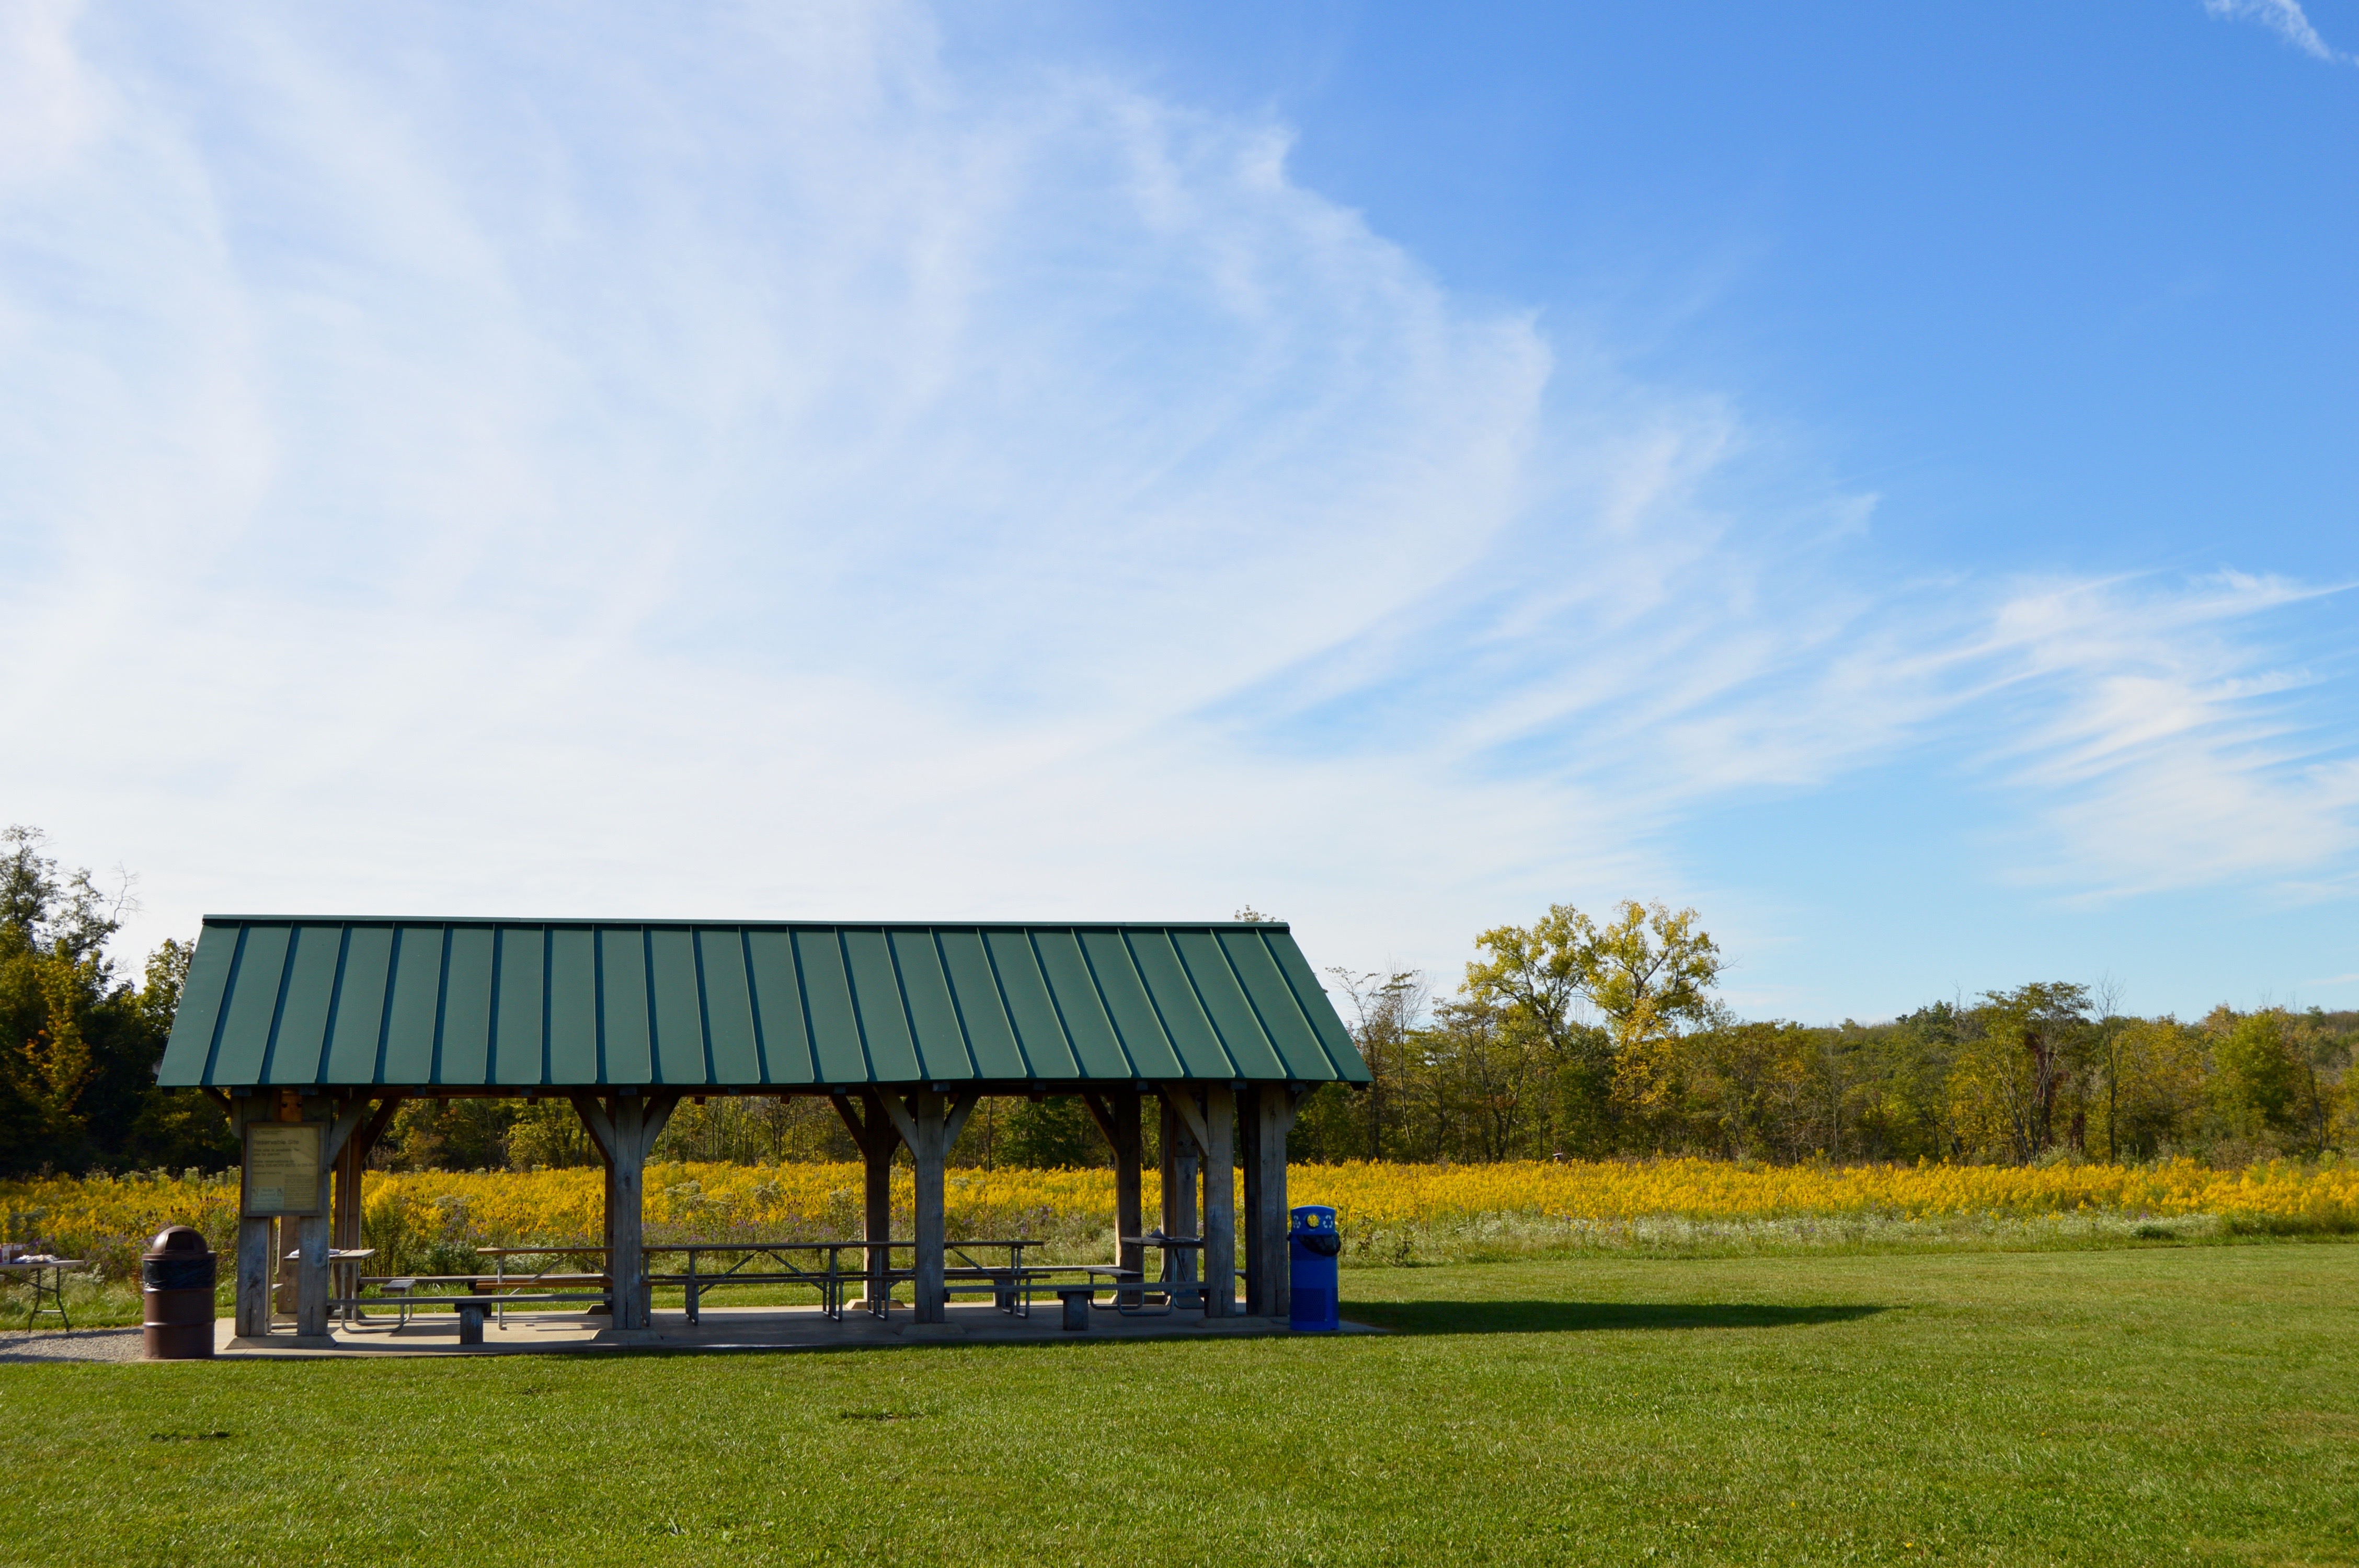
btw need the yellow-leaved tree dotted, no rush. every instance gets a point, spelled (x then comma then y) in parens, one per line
(1647, 974)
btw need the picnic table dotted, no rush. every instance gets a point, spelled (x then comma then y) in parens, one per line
(820, 1266)
(343, 1270)
(1173, 1249)
(48, 1276)
(1008, 1283)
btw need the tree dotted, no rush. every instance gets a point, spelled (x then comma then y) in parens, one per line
(1050, 1133)
(2155, 1071)
(2265, 1080)
(78, 1047)
(1648, 974)
(1495, 1071)
(1744, 1084)
(2013, 1068)
(1386, 1009)
(1651, 972)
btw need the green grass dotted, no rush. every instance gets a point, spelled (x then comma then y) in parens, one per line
(2188, 1404)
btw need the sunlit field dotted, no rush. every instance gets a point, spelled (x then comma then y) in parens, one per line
(431, 1221)
(2120, 1406)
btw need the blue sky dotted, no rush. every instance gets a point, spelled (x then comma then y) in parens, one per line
(1882, 476)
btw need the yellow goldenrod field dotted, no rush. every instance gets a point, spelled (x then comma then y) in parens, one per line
(106, 1217)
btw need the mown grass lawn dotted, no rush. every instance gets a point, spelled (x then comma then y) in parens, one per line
(2195, 1404)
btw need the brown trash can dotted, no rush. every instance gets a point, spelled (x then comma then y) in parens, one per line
(176, 1287)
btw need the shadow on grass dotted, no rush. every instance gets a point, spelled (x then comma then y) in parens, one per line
(1575, 1317)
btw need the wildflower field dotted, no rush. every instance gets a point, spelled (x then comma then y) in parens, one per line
(1390, 1213)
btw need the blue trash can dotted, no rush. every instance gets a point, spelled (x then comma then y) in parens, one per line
(1311, 1244)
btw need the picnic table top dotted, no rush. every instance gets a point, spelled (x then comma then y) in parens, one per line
(753, 1246)
(34, 1265)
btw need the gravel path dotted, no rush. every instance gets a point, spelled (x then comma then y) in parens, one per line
(78, 1345)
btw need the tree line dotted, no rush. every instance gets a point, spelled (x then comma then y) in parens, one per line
(1582, 1039)
(79, 1040)
(1571, 1037)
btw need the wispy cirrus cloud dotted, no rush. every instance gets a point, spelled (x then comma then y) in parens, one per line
(766, 465)
(2284, 17)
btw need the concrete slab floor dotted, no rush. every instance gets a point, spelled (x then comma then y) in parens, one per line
(734, 1328)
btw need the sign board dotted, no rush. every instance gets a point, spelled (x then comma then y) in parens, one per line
(282, 1169)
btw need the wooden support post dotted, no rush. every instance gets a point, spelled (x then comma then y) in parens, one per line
(1265, 1118)
(601, 1131)
(351, 1175)
(1180, 1160)
(626, 1220)
(626, 1128)
(345, 1225)
(876, 1137)
(256, 1270)
(1116, 1114)
(606, 1239)
(314, 1279)
(927, 1148)
(1250, 1221)
(930, 1122)
(1220, 1200)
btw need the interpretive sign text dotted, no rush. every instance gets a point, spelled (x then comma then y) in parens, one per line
(282, 1169)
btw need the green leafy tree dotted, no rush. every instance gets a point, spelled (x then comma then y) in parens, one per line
(1050, 1133)
(2018, 1063)
(78, 1046)
(2266, 1082)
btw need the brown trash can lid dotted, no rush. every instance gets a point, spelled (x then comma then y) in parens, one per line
(175, 1239)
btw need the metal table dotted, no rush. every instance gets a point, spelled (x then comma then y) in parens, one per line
(343, 1275)
(1172, 1287)
(54, 1289)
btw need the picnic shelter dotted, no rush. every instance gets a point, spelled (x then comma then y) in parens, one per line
(331, 1023)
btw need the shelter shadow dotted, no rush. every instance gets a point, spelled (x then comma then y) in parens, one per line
(1574, 1317)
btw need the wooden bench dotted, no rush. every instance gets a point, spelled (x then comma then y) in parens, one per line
(402, 1289)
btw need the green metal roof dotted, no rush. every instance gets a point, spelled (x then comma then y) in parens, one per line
(478, 1004)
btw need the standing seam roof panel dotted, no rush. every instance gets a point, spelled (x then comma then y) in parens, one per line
(990, 1035)
(1097, 1046)
(517, 1037)
(777, 999)
(1152, 1054)
(473, 1003)
(302, 1041)
(359, 1023)
(884, 1015)
(467, 1008)
(253, 1003)
(1040, 1033)
(188, 1052)
(408, 1054)
(573, 1054)
(1290, 1033)
(941, 1039)
(827, 989)
(1202, 1052)
(1231, 1012)
(1317, 1015)
(679, 1008)
(728, 1007)
(624, 1033)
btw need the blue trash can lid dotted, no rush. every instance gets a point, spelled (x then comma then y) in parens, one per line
(1314, 1217)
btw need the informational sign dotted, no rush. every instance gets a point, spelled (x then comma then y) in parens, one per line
(282, 1169)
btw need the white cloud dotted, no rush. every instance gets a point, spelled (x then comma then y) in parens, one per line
(2283, 17)
(764, 467)
(2167, 744)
